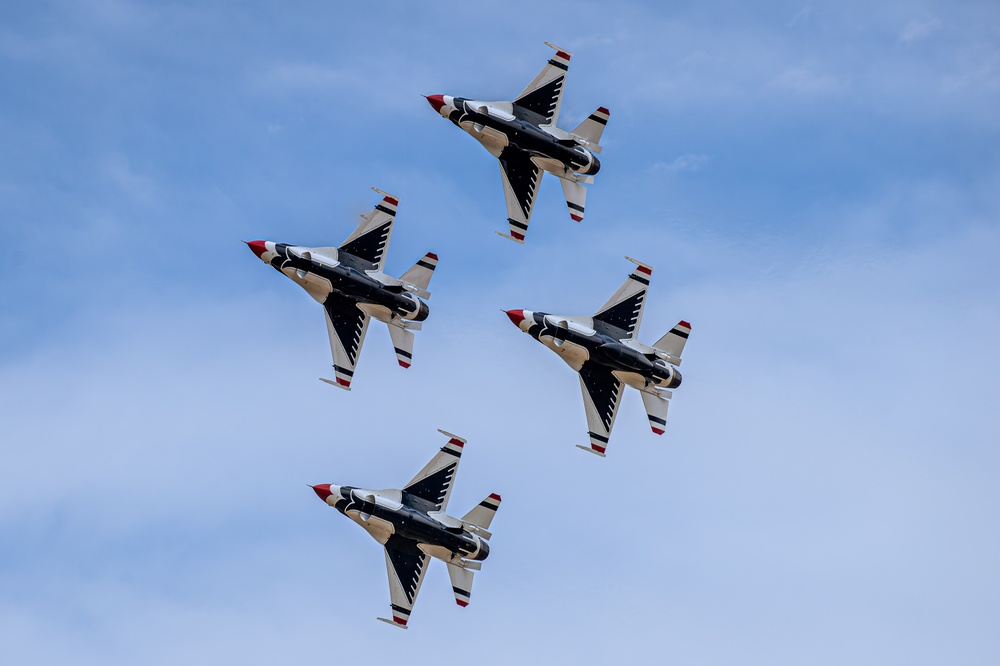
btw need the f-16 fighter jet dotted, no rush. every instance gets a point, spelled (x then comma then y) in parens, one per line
(523, 135)
(350, 284)
(603, 349)
(413, 527)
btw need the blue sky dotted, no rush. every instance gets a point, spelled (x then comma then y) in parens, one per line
(816, 184)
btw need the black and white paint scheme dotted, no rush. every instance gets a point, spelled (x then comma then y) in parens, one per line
(523, 135)
(604, 350)
(350, 284)
(412, 525)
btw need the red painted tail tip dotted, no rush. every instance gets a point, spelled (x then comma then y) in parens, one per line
(657, 431)
(431, 255)
(437, 101)
(604, 110)
(495, 496)
(461, 603)
(322, 491)
(685, 324)
(515, 316)
(258, 247)
(404, 364)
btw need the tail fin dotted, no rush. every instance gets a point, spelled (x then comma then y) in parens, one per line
(461, 584)
(420, 275)
(591, 129)
(576, 198)
(402, 342)
(482, 514)
(672, 344)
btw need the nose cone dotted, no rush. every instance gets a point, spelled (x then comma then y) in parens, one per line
(437, 101)
(515, 316)
(258, 247)
(322, 491)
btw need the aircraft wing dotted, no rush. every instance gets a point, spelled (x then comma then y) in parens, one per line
(602, 394)
(433, 482)
(624, 309)
(347, 327)
(406, 565)
(543, 96)
(371, 239)
(520, 178)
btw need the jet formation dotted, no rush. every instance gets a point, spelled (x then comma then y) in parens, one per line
(522, 134)
(603, 349)
(348, 281)
(412, 525)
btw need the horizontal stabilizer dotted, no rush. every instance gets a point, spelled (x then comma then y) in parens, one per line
(672, 344)
(402, 342)
(482, 514)
(591, 129)
(420, 275)
(461, 584)
(656, 410)
(576, 198)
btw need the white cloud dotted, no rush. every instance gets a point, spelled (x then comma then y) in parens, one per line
(804, 81)
(917, 29)
(684, 163)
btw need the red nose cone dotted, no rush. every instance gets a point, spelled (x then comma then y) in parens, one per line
(437, 101)
(258, 247)
(322, 490)
(515, 316)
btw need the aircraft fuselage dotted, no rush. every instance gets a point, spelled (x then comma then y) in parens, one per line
(580, 340)
(343, 278)
(384, 513)
(497, 129)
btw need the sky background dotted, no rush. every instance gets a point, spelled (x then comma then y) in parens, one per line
(817, 186)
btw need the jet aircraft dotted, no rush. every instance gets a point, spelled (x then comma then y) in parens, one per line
(413, 527)
(350, 284)
(523, 135)
(604, 350)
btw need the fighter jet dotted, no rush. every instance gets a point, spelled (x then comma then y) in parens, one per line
(603, 349)
(412, 526)
(523, 135)
(350, 284)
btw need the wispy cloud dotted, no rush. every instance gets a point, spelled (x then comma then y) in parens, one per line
(684, 163)
(918, 29)
(803, 80)
(801, 16)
